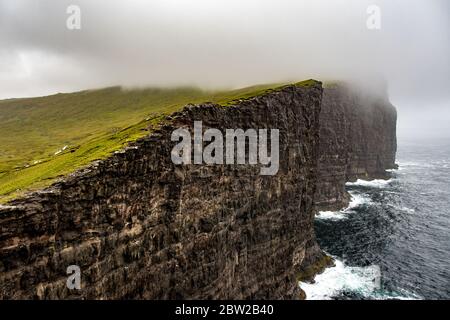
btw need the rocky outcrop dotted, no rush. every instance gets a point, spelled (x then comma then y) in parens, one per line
(140, 227)
(357, 141)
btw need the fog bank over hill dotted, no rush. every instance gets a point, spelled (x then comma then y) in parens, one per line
(218, 44)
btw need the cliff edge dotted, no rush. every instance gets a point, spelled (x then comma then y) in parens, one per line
(357, 141)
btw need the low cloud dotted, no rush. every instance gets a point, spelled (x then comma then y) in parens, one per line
(233, 43)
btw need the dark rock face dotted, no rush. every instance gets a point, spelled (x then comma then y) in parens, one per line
(357, 141)
(141, 227)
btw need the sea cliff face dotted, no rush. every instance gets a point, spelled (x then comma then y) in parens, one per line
(357, 141)
(140, 227)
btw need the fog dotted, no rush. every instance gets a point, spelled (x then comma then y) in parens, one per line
(232, 43)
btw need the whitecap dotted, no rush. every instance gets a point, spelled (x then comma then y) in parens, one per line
(341, 278)
(408, 164)
(331, 215)
(377, 183)
(407, 209)
(417, 165)
(357, 200)
(402, 208)
(362, 281)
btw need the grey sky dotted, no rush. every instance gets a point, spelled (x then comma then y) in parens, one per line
(231, 43)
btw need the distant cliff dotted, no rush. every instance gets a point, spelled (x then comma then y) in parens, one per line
(357, 141)
(140, 227)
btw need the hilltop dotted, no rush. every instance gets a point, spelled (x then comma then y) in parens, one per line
(44, 138)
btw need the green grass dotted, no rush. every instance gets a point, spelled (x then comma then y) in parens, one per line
(92, 124)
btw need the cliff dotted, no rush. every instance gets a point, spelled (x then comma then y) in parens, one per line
(357, 141)
(140, 227)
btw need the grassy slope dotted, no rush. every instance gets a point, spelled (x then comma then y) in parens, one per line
(92, 124)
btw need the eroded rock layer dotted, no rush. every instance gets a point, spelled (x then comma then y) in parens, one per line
(140, 227)
(357, 141)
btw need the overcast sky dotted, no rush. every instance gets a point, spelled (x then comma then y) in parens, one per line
(231, 43)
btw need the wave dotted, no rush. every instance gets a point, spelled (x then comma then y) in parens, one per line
(331, 215)
(402, 208)
(357, 200)
(341, 278)
(377, 183)
(360, 281)
(427, 165)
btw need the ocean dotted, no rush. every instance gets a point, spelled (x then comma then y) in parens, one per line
(393, 241)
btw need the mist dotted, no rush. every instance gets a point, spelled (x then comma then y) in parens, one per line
(229, 44)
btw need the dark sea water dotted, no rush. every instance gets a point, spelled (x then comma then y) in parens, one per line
(393, 242)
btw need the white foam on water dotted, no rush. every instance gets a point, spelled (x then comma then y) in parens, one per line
(357, 199)
(408, 209)
(331, 215)
(408, 164)
(404, 295)
(377, 183)
(417, 165)
(360, 281)
(340, 278)
(363, 281)
(402, 208)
